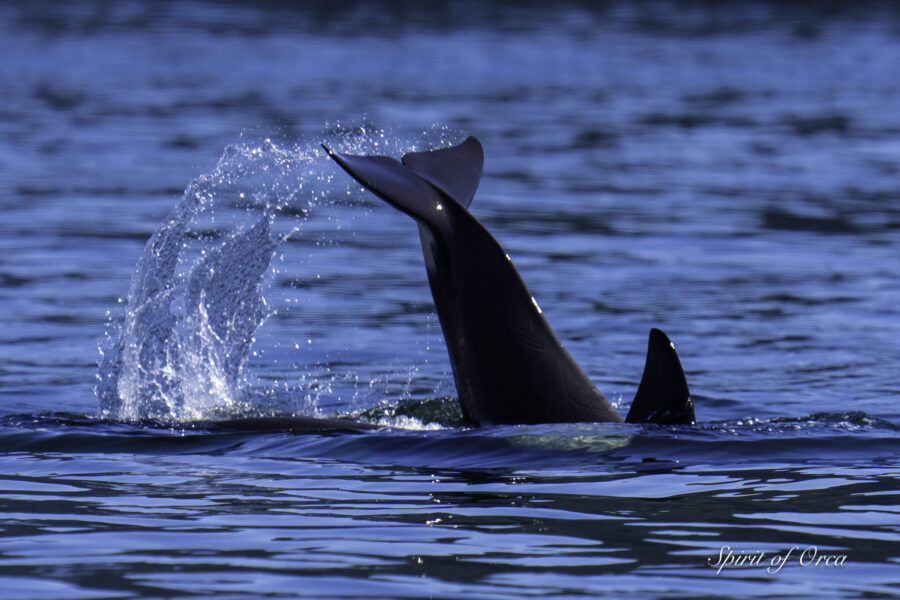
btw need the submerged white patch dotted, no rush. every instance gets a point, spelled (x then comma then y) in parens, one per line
(411, 423)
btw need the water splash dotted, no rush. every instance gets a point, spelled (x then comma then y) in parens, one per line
(195, 298)
(180, 350)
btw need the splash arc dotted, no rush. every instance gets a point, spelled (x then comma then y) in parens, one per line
(508, 365)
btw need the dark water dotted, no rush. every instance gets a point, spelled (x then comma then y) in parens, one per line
(730, 174)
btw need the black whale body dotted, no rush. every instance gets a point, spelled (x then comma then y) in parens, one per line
(508, 365)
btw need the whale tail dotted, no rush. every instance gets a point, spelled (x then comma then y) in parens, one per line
(416, 185)
(663, 396)
(454, 171)
(508, 365)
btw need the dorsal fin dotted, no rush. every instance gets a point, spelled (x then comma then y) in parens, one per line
(663, 396)
(454, 171)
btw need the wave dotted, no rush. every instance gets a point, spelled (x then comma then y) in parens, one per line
(826, 438)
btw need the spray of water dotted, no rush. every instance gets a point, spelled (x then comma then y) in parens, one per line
(180, 348)
(195, 297)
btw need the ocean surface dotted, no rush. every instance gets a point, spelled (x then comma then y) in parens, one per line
(728, 172)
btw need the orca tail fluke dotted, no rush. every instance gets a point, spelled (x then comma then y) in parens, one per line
(397, 185)
(663, 396)
(508, 365)
(418, 184)
(456, 171)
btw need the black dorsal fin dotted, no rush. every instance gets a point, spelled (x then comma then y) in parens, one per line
(663, 396)
(454, 171)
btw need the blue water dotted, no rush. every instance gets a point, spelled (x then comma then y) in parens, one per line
(726, 173)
